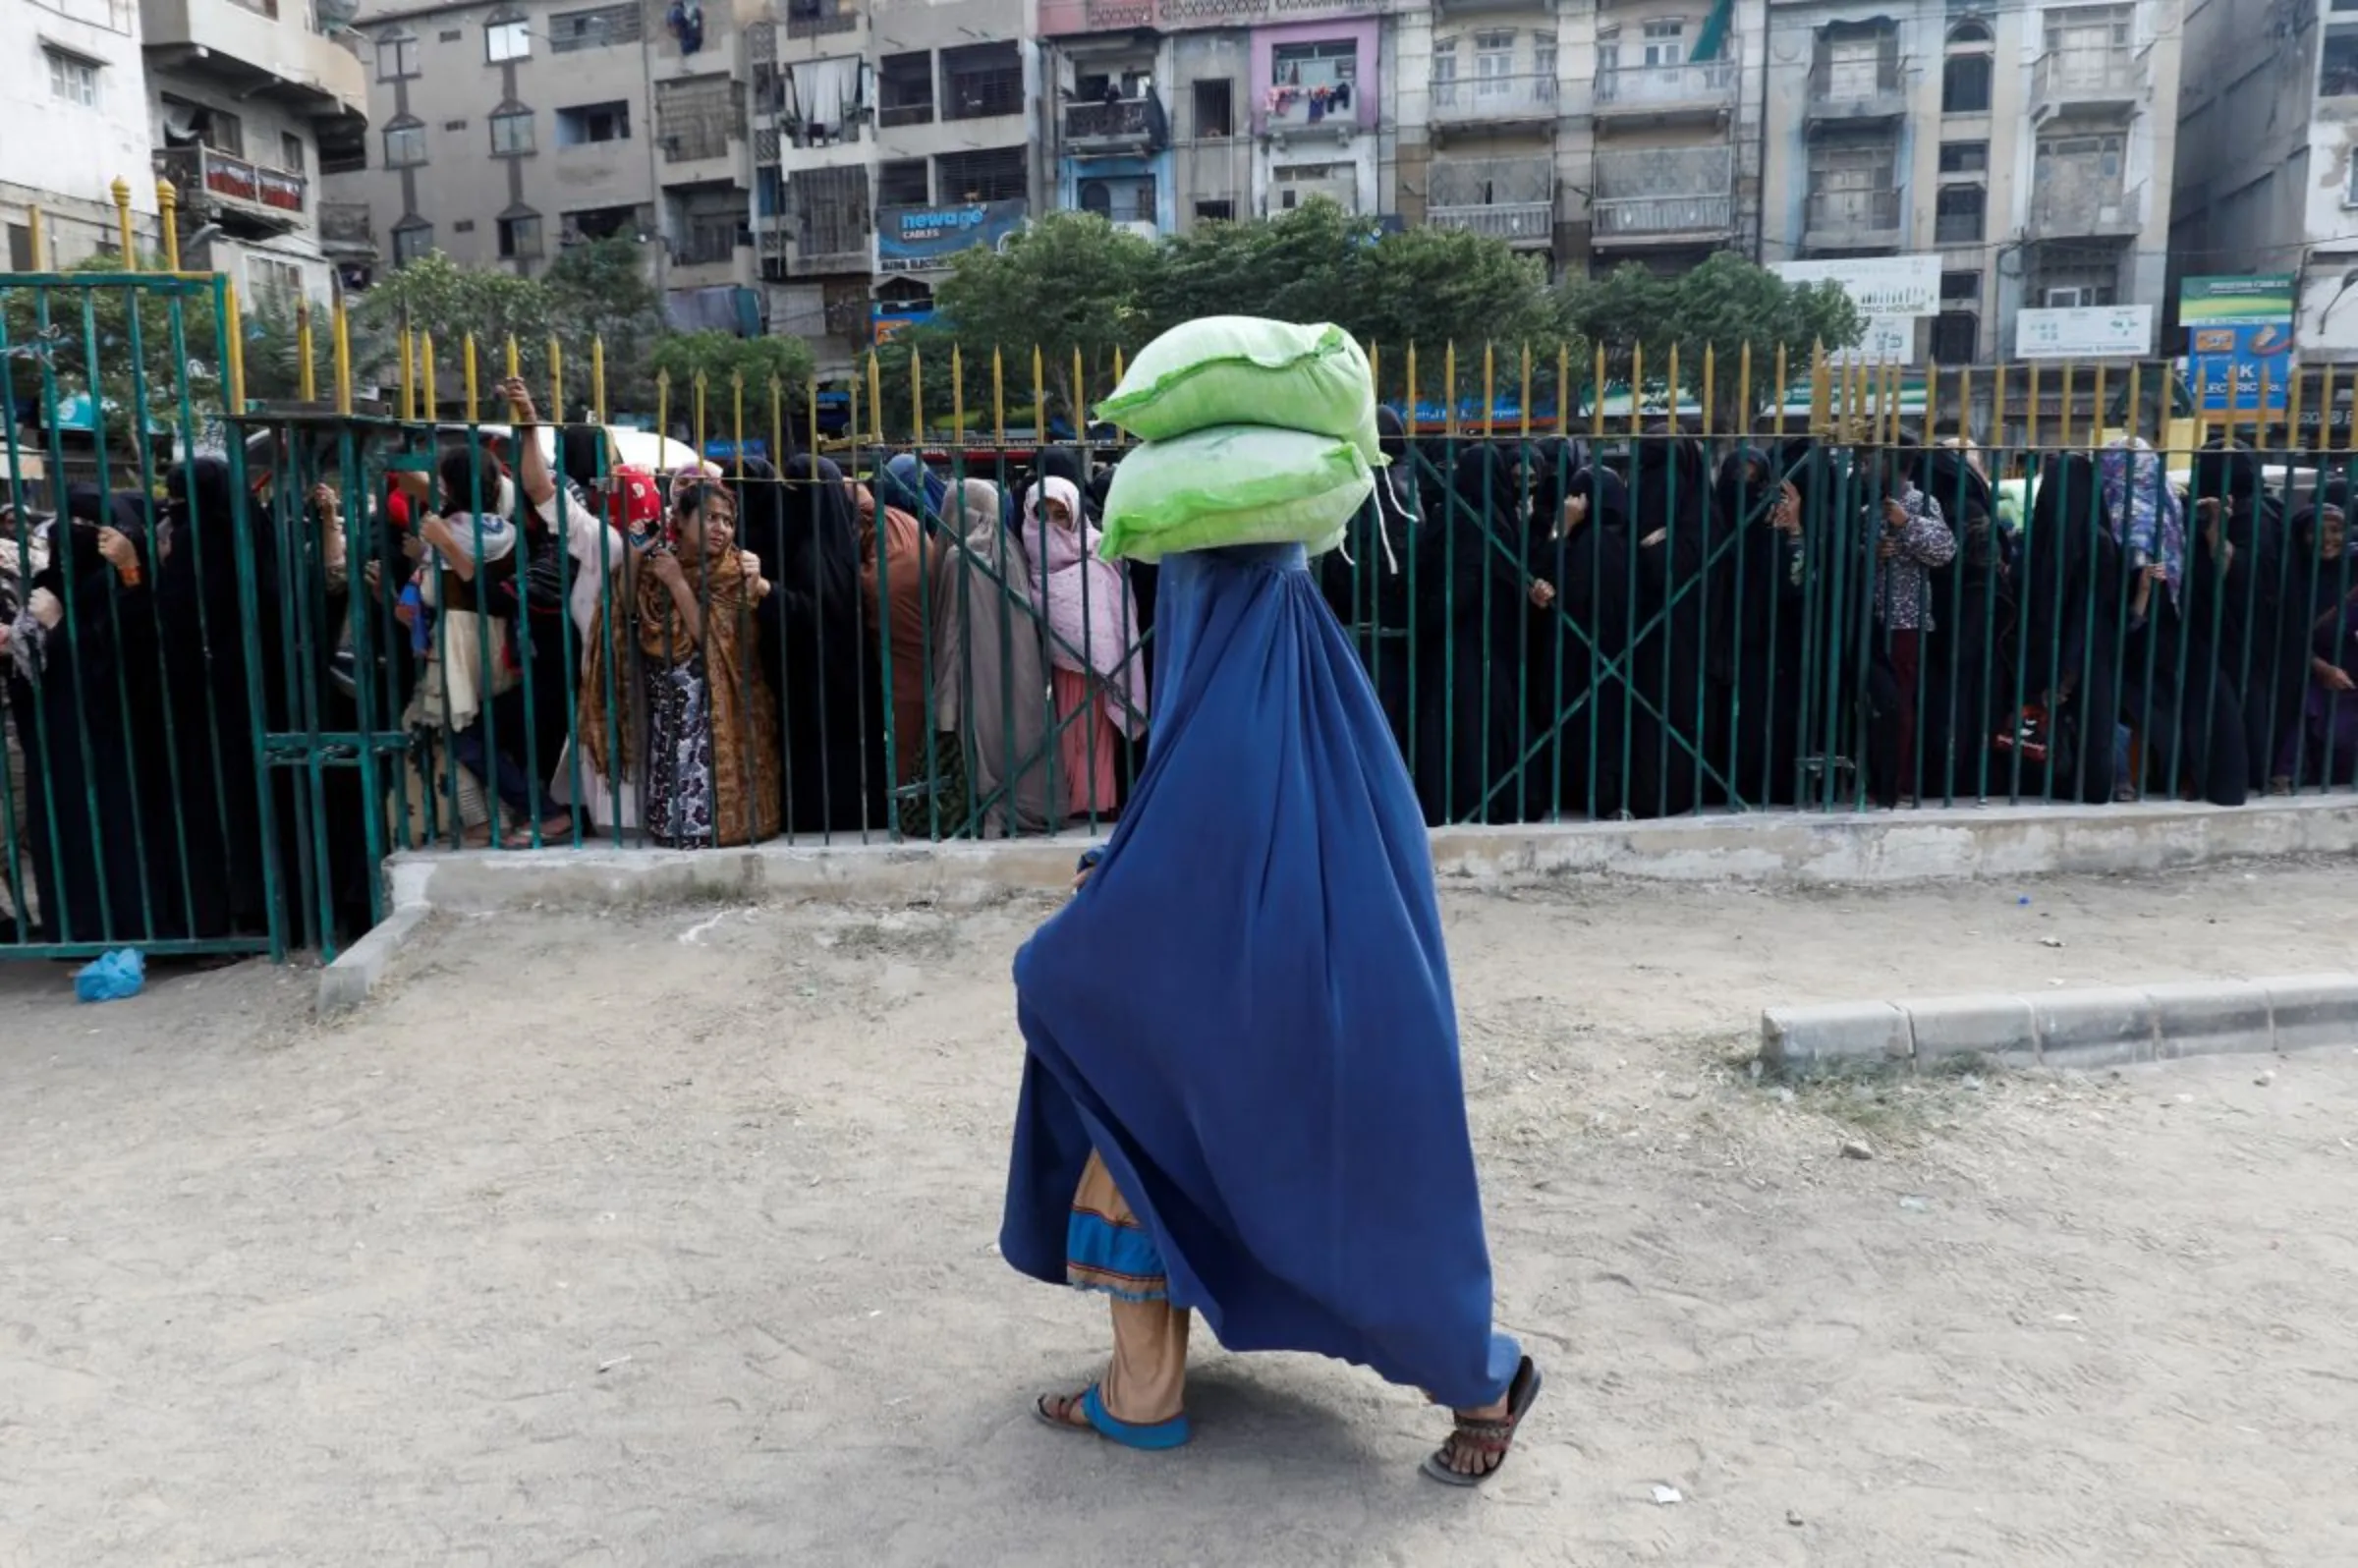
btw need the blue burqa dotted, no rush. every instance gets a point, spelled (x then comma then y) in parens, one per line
(1247, 1010)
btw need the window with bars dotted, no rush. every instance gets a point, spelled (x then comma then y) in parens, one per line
(982, 80)
(831, 210)
(1324, 64)
(1958, 214)
(695, 118)
(1965, 85)
(998, 174)
(905, 89)
(600, 28)
(902, 183)
(1216, 108)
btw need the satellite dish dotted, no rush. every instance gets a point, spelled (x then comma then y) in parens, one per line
(337, 13)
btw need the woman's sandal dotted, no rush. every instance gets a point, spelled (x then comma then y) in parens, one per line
(1496, 1437)
(1057, 1411)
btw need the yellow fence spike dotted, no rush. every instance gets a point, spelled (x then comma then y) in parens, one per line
(875, 396)
(1637, 381)
(1710, 385)
(737, 420)
(342, 319)
(307, 375)
(598, 379)
(233, 323)
(2292, 401)
(1744, 392)
(1039, 398)
(408, 377)
(468, 380)
(1997, 406)
(663, 404)
(1563, 389)
(1821, 399)
(2096, 402)
(697, 426)
(167, 215)
(1080, 408)
(1449, 389)
(1672, 411)
(557, 381)
(515, 359)
(917, 396)
(121, 191)
(2325, 410)
(1525, 426)
(1409, 370)
(1782, 393)
(1490, 390)
(1596, 396)
(2064, 433)
(37, 237)
(2030, 397)
(957, 396)
(426, 377)
(998, 397)
(811, 413)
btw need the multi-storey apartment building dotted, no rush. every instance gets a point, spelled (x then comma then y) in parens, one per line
(2029, 148)
(888, 137)
(505, 131)
(238, 102)
(2267, 158)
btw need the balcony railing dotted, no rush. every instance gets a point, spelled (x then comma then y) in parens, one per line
(1521, 222)
(2068, 210)
(205, 177)
(1126, 121)
(1666, 90)
(1857, 91)
(1660, 217)
(1467, 100)
(1061, 18)
(2084, 80)
(1843, 218)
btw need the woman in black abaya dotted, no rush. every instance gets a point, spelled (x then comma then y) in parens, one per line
(1763, 602)
(1669, 511)
(1580, 680)
(2075, 602)
(821, 661)
(98, 799)
(1474, 593)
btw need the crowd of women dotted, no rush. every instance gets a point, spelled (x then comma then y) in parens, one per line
(569, 649)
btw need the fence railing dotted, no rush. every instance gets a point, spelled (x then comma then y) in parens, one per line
(252, 650)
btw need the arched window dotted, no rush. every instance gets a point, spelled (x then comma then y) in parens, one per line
(1971, 33)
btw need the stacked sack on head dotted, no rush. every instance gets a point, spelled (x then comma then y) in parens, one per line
(1253, 432)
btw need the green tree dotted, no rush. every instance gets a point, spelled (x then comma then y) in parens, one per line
(725, 361)
(1724, 305)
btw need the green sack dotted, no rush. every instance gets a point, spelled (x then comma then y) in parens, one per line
(1234, 484)
(1242, 370)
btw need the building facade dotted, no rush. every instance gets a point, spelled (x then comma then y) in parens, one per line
(238, 102)
(889, 137)
(2267, 163)
(505, 131)
(2029, 149)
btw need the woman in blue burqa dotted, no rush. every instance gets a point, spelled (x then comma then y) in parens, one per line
(1242, 1094)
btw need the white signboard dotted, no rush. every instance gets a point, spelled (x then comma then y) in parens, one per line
(1880, 285)
(2088, 332)
(1888, 339)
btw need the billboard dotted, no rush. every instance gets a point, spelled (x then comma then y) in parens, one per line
(1879, 285)
(2084, 332)
(924, 239)
(2239, 341)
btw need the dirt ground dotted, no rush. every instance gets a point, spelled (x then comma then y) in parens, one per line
(666, 1239)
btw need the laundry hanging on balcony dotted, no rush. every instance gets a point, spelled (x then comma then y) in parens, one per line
(686, 20)
(823, 97)
(1321, 100)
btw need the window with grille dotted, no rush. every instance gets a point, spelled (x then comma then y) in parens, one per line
(1000, 174)
(695, 118)
(1965, 85)
(982, 80)
(1215, 212)
(600, 27)
(589, 123)
(831, 210)
(1958, 287)
(901, 183)
(1956, 337)
(905, 89)
(1125, 198)
(1216, 109)
(1324, 64)
(511, 133)
(1958, 214)
(1964, 157)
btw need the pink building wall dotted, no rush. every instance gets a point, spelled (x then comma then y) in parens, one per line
(1363, 30)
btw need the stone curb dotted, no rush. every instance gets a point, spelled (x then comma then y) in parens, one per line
(360, 969)
(2106, 1026)
(1941, 844)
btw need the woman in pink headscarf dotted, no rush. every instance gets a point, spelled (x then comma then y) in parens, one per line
(1095, 676)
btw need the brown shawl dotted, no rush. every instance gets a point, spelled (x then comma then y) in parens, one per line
(745, 763)
(899, 598)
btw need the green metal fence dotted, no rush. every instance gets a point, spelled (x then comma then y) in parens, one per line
(255, 649)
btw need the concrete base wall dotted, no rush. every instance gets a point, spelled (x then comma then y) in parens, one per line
(1882, 847)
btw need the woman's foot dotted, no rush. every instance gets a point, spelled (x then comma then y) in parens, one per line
(1064, 1410)
(1484, 1436)
(2279, 785)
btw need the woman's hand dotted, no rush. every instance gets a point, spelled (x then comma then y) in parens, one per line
(521, 410)
(667, 569)
(2334, 678)
(45, 608)
(757, 584)
(1785, 515)
(331, 509)
(119, 553)
(1543, 593)
(1576, 512)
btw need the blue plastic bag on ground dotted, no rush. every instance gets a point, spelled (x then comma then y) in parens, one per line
(111, 977)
